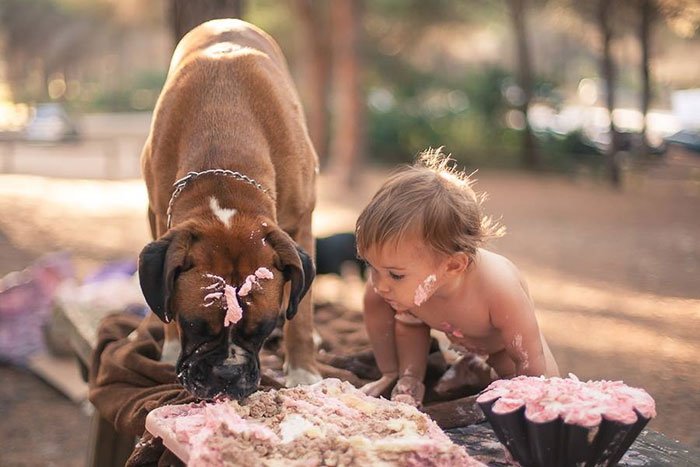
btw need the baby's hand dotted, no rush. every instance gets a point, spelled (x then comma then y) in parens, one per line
(409, 390)
(377, 388)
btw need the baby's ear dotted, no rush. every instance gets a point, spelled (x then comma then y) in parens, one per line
(458, 262)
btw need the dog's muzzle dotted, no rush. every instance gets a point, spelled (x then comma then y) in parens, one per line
(228, 370)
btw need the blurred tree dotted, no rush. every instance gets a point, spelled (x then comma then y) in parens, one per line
(313, 18)
(648, 12)
(602, 13)
(45, 38)
(518, 13)
(348, 141)
(186, 14)
(683, 18)
(605, 10)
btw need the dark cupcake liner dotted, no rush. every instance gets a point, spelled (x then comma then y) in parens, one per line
(544, 441)
(576, 444)
(559, 444)
(613, 440)
(511, 431)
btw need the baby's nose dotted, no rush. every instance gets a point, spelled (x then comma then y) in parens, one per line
(380, 285)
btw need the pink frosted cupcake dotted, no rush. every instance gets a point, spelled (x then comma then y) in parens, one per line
(564, 421)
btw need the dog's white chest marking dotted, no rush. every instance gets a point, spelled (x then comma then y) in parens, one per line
(223, 214)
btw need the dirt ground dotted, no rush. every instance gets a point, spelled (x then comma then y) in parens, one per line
(614, 276)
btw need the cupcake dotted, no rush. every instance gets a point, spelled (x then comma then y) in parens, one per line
(565, 421)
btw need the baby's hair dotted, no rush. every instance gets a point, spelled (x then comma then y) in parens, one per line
(433, 199)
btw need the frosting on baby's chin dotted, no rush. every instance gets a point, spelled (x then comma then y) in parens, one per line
(424, 290)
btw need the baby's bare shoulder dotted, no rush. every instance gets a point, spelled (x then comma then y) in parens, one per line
(498, 274)
(505, 290)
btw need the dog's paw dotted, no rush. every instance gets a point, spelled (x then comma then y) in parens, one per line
(301, 376)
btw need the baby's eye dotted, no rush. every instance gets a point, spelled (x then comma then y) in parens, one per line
(396, 276)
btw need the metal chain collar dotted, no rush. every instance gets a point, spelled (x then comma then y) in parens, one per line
(181, 183)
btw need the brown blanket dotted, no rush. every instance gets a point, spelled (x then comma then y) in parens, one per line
(127, 380)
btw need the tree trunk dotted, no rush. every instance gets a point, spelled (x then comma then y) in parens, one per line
(348, 135)
(608, 72)
(647, 13)
(530, 155)
(315, 63)
(186, 14)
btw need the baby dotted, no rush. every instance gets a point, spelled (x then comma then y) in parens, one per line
(421, 236)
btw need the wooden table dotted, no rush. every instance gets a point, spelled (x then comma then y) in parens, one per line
(650, 449)
(106, 448)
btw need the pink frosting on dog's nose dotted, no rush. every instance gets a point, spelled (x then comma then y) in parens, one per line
(234, 312)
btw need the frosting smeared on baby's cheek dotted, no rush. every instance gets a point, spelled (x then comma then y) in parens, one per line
(424, 290)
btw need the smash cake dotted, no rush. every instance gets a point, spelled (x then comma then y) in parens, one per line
(565, 421)
(328, 423)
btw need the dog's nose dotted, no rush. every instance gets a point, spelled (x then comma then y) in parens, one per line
(227, 372)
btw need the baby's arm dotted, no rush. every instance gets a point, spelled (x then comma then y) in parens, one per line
(512, 313)
(379, 322)
(412, 344)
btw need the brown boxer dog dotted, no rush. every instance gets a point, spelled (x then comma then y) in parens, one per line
(230, 172)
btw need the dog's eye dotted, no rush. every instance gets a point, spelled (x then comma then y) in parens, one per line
(196, 327)
(187, 264)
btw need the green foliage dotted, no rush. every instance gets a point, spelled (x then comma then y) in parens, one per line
(138, 94)
(569, 152)
(416, 113)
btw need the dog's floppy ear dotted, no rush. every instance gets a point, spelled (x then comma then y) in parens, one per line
(296, 265)
(159, 264)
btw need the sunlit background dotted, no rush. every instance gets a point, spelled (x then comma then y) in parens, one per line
(582, 118)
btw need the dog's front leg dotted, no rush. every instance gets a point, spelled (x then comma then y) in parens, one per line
(300, 350)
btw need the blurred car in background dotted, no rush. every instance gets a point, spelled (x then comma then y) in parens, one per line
(50, 123)
(688, 139)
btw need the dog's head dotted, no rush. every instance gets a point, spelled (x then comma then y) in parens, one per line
(225, 288)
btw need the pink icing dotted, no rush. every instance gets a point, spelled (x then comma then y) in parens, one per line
(507, 404)
(424, 290)
(226, 415)
(577, 402)
(264, 273)
(541, 413)
(217, 287)
(582, 416)
(234, 312)
(212, 298)
(252, 280)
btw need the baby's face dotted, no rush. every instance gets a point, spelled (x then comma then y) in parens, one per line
(406, 273)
